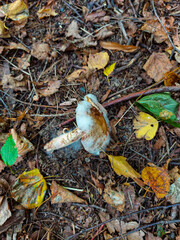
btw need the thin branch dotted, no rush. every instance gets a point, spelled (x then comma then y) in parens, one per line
(146, 226)
(142, 93)
(172, 44)
(123, 217)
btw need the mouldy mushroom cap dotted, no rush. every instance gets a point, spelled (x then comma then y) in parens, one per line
(91, 118)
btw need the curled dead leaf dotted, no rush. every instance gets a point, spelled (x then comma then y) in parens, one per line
(40, 50)
(62, 195)
(23, 144)
(118, 47)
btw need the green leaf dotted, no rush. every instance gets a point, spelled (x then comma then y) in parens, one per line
(162, 106)
(8, 152)
(160, 231)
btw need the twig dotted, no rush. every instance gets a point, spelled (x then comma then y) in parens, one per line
(121, 26)
(142, 93)
(67, 4)
(146, 226)
(172, 44)
(130, 63)
(14, 65)
(98, 231)
(123, 217)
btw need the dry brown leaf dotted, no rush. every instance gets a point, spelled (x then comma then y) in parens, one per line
(174, 173)
(155, 27)
(14, 45)
(157, 178)
(23, 62)
(177, 131)
(82, 73)
(51, 88)
(40, 51)
(89, 42)
(139, 235)
(4, 33)
(95, 16)
(131, 28)
(157, 65)
(114, 197)
(111, 226)
(161, 142)
(104, 33)
(2, 166)
(73, 30)
(95, 62)
(61, 195)
(5, 212)
(118, 47)
(150, 236)
(9, 81)
(23, 144)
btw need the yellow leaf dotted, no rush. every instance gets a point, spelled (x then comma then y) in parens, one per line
(46, 12)
(157, 178)
(98, 60)
(16, 10)
(3, 31)
(122, 167)
(29, 189)
(146, 126)
(108, 70)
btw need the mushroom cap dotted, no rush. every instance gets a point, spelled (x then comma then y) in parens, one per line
(91, 118)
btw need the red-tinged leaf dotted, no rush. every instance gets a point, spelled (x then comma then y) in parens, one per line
(118, 47)
(29, 189)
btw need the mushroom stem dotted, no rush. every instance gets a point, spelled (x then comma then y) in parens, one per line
(64, 140)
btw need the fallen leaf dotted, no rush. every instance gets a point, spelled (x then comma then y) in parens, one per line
(157, 65)
(173, 195)
(131, 28)
(78, 74)
(4, 33)
(20, 46)
(146, 126)
(61, 195)
(95, 62)
(139, 235)
(98, 60)
(2, 166)
(171, 78)
(161, 142)
(150, 236)
(47, 10)
(112, 226)
(73, 30)
(16, 10)
(122, 167)
(118, 47)
(114, 197)
(174, 173)
(40, 50)
(9, 82)
(5, 212)
(9, 152)
(155, 27)
(51, 88)
(109, 69)
(177, 55)
(157, 178)
(95, 16)
(104, 33)
(29, 189)
(24, 62)
(23, 145)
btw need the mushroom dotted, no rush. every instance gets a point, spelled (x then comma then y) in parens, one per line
(92, 128)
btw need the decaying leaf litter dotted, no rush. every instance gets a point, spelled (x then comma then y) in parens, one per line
(64, 60)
